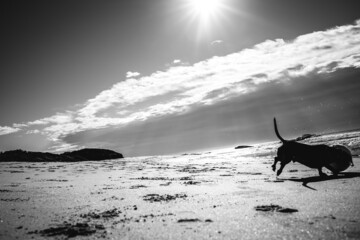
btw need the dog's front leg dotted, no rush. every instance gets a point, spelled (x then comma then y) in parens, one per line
(276, 159)
(283, 164)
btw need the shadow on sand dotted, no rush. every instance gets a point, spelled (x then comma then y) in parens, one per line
(307, 180)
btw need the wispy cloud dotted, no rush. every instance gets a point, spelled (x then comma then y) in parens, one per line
(216, 42)
(132, 74)
(59, 118)
(8, 130)
(183, 88)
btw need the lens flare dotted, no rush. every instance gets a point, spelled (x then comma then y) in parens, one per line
(206, 17)
(205, 8)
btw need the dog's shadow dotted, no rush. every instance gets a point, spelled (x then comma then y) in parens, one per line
(307, 180)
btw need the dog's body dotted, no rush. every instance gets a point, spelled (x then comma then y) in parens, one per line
(313, 156)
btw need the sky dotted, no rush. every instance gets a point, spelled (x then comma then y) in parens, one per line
(153, 77)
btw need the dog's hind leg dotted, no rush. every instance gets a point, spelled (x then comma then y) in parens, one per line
(321, 173)
(335, 172)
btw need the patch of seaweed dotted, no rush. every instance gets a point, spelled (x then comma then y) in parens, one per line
(15, 199)
(163, 198)
(275, 208)
(192, 182)
(70, 230)
(186, 220)
(106, 214)
(138, 186)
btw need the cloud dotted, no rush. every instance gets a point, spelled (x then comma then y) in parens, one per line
(19, 125)
(243, 120)
(63, 147)
(8, 130)
(132, 74)
(36, 131)
(181, 89)
(58, 118)
(216, 42)
(176, 61)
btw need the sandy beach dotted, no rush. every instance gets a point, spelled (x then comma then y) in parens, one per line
(224, 194)
(180, 119)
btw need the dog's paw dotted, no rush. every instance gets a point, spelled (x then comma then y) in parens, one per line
(323, 175)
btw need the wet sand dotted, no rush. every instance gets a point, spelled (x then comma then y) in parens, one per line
(229, 194)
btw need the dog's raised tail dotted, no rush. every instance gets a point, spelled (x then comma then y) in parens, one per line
(277, 131)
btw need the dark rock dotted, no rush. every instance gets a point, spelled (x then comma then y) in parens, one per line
(242, 146)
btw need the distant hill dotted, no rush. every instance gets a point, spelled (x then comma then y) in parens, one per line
(86, 154)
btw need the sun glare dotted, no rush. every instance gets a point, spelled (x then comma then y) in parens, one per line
(206, 17)
(205, 7)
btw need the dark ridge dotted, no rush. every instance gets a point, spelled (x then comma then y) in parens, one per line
(306, 136)
(242, 146)
(93, 154)
(86, 154)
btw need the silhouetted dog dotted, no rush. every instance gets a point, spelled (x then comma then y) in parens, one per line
(335, 159)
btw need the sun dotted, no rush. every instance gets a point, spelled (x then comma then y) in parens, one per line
(205, 18)
(205, 9)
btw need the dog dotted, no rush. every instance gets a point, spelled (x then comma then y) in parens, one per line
(334, 158)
